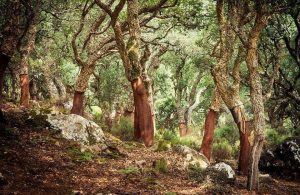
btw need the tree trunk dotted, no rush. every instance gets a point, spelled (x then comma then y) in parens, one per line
(239, 116)
(256, 97)
(24, 100)
(210, 125)
(4, 60)
(143, 123)
(78, 101)
(244, 150)
(82, 84)
(183, 129)
(209, 128)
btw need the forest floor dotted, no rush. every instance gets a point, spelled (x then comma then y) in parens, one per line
(35, 161)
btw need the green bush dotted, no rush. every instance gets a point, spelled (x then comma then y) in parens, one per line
(161, 165)
(273, 137)
(222, 150)
(228, 132)
(124, 130)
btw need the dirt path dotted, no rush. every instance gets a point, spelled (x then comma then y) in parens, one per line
(36, 162)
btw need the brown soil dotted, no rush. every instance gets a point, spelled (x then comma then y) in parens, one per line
(37, 162)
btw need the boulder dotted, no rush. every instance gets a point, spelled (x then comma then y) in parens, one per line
(192, 157)
(225, 168)
(283, 160)
(77, 128)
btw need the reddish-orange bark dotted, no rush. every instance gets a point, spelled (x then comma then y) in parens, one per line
(143, 123)
(4, 60)
(24, 100)
(183, 129)
(244, 150)
(209, 128)
(78, 103)
(243, 125)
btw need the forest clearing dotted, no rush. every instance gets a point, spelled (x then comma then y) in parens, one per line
(150, 97)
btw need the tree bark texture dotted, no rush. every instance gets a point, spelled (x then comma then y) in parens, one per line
(143, 125)
(256, 98)
(25, 51)
(24, 100)
(210, 125)
(10, 35)
(209, 128)
(82, 84)
(78, 101)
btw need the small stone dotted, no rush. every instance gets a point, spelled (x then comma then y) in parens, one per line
(226, 168)
(3, 180)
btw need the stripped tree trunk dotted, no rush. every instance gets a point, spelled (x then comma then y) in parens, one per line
(130, 55)
(209, 125)
(25, 51)
(142, 113)
(80, 88)
(230, 92)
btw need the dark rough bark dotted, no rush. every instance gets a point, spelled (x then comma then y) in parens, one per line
(209, 128)
(143, 123)
(78, 101)
(24, 100)
(4, 60)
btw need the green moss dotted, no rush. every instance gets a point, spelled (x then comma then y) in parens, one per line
(161, 165)
(129, 171)
(76, 155)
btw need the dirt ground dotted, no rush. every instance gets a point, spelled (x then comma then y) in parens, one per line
(36, 161)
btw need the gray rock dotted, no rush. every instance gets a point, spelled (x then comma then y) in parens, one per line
(225, 168)
(77, 128)
(283, 160)
(192, 157)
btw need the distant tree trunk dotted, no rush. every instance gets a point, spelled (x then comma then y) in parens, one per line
(60, 87)
(210, 125)
(33, 90)
(143, 127)
(4, 60)
(24, 100)
(25, 51)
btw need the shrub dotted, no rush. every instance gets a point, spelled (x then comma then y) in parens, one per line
(222, 150)
(161, 165)
(124, 130)
(274, 138)
(228, 132)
